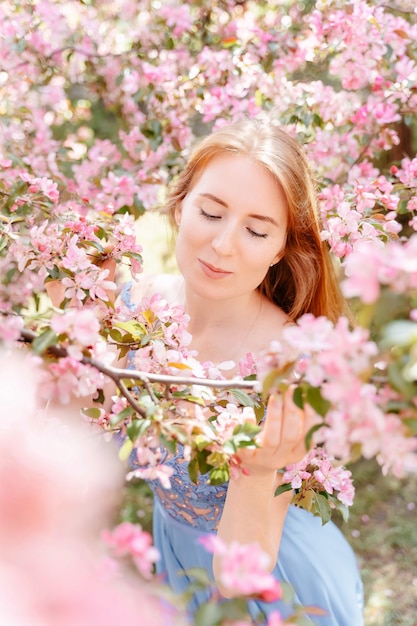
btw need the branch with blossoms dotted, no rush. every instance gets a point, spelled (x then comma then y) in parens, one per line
(212, 419)
(166, 395)
(68, 197)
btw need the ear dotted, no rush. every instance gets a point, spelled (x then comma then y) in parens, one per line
(177, 213)
(277, 258)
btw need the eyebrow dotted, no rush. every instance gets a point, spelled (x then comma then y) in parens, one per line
(262, 218)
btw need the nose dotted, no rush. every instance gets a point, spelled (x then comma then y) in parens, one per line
(224, 241)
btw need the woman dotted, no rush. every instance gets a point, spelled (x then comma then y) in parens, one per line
(251, 260)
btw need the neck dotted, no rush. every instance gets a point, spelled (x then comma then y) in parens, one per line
(220, 314)
(222, 329)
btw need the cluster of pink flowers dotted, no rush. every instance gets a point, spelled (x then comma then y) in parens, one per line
(373, 267)
(162, 331)
(244, 569)
(318, 472)
(66, 378)
(337, 361)
(68, 206)
(128, 539)
(52, 568)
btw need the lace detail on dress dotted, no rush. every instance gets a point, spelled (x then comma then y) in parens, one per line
(199, 505)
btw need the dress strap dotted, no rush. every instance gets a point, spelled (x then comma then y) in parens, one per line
(126, 295)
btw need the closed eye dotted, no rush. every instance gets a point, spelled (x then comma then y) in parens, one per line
(255, 234)
(209, 216)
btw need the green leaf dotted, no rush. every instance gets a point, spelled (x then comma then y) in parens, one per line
(169, 444)
(143, 425)
(342, 508)
(219, 475)
(93, 412)
(132, 327)
(309, 435)
(125, 450)
(235, 610)
(259, 413)
(243, 398)
(316, 400)
(116, 335)
(247, 429)
(259, 98)
(44, 341)
(203, 466)
(400, 333)
(124, 414)
(396, 378)
(133, 255)
(322, 507)
(282, 489)
(197, 573)
(200, 442)
(277, 378)
(411, 425)
(304, 499)
(208, 614)
(193, 470)
(99, 398)
(287, 592)
(137, 428)
(94, 244)
(298, 397)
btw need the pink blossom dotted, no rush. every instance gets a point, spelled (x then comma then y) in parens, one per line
(51, 569)
(362, 272)
(81, 326)
(130, 539)
(69, 377)
(162, 472)
(244, 568)
(231, 416)
(10, 328)
(76, 258)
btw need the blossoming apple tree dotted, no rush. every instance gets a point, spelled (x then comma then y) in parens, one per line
(99, 103)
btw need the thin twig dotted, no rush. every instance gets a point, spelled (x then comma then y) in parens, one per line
(165, 379)
(126, 394)
(118, 375)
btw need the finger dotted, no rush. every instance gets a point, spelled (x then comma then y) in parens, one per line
(271, 432)
(293, 424)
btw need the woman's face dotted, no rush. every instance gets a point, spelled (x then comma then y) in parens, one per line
(232, 227)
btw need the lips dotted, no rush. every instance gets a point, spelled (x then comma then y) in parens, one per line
(213, 272)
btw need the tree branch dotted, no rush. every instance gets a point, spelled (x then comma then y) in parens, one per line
(119, 375)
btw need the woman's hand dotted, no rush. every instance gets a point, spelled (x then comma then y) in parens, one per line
(252, 513)
(282, 439)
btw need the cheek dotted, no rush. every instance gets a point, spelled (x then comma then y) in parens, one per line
(184, 241)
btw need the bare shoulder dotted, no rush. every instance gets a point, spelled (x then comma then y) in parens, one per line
(169, 286)
(274, 320)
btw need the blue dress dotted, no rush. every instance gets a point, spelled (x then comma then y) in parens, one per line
(316, 560)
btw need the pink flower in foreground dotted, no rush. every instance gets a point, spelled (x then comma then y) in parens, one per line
(244, 568)
(130, 539)
(59, 486)
(81, 326)
(10, 328)
(275, 619)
